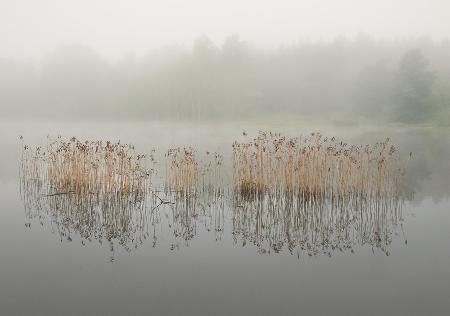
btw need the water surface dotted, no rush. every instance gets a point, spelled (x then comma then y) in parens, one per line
(204, 264)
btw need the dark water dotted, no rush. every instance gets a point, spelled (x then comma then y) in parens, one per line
(208, 267)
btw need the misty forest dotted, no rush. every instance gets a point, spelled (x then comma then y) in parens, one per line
(239, 157)
(341, 81)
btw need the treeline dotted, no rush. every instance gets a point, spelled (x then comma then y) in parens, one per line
(405, 81)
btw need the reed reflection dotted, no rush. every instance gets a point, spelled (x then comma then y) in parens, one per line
(93, 189)
(182, 220)
(315, 194)
(105, 192)
(196, 185)
(315, 225)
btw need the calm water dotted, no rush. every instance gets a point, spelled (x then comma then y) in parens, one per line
(203, 265)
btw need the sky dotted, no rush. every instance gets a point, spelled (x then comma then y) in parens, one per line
(33, 28)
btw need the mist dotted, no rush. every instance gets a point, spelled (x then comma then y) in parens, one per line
(335, 61)
(343, 80)
(239, 157)
(31, 29)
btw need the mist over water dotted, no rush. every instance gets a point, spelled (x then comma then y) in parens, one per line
(224, 158)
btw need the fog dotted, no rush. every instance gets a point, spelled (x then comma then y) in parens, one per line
(343, 80)
(344, 61)
(31, 29)
(232, 157)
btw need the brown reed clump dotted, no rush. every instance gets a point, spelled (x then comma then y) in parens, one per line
(89, 167)
(315, 194)
(314, 167)
(95, 189)
(183, 170)
(189, 176)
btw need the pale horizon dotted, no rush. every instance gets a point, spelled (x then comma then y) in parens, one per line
(33, 29)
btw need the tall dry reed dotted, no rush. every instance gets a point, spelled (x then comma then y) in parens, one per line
(315, 167)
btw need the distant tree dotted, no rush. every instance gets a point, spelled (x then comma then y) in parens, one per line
(414, 88)
(238, 80)
(201, 79)
(373, 90)
(234, 50)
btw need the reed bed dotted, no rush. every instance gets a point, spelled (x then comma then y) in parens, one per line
(190, 176)
(87, 167)
(95, 189)
(196, 185)
(314, 194)
(104, 191)
(315, 167)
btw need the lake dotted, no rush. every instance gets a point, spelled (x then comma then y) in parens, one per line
(215, 261)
